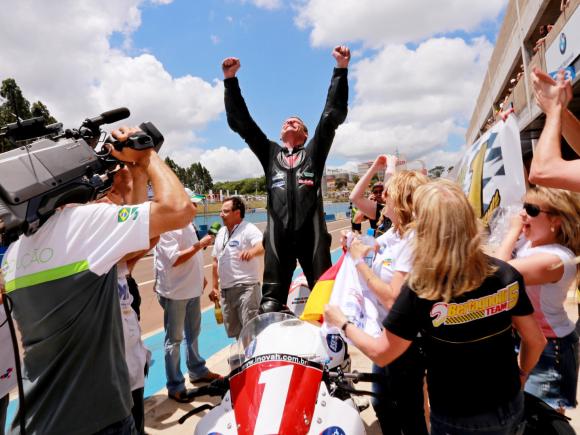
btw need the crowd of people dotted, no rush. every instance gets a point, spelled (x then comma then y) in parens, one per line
(452, 312)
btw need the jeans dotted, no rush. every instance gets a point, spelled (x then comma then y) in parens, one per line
(400, 405)
(555, 377)
(179, 317)
(504, 420)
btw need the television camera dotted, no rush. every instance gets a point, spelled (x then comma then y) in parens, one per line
(52, 167)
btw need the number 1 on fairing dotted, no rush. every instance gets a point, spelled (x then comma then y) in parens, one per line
(276, 385)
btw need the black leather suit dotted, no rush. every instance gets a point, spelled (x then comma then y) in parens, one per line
(296, 228)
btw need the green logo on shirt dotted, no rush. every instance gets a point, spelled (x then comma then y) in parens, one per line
(127, 213)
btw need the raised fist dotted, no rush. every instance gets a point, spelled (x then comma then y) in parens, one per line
(230, 67)
(342, 55)
(381, 161)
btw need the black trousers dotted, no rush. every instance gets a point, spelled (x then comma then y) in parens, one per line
(400, 407)
(138, 410)
(3, 409)
(310, 246)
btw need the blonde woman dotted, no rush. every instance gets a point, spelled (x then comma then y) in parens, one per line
(464, 304)
(400, 405)
(548, 223)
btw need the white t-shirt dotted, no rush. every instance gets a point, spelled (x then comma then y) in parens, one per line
(186, 280)
(548, 299)
(227, 247)
(393, 255)
(135, 350)
(63, 282)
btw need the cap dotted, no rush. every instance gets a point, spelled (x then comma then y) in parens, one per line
(377, 184)
(195, 197)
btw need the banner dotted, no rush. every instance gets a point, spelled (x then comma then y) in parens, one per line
(491, 172)
(566, 47)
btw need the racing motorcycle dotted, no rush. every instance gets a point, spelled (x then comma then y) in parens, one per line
(286, 378)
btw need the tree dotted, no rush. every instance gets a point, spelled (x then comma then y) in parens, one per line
(196, 177)
(246, 186)
(39, 109)
(14, 104)
(177, 170)
(199, 177)
(340, 183)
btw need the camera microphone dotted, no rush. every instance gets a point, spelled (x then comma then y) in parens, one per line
(107, 117)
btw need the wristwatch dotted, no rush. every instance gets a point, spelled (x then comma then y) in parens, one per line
(344, 325)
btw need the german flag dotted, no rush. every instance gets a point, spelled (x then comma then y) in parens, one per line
(321, 292)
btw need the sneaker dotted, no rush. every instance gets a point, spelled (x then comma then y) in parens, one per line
(185, 396)
(208, 377)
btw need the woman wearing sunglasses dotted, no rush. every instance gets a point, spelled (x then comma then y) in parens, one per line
(548, 223)
(464, 304)
(372, 207)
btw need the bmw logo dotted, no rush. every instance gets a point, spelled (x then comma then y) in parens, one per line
(334, 342)
(562, 43)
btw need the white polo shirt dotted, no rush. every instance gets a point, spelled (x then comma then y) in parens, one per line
(227, 248)
(186, 280)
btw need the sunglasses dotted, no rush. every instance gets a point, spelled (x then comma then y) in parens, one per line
(534, 210)
(377, 192)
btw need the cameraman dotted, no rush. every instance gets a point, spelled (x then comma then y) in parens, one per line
(63, 283)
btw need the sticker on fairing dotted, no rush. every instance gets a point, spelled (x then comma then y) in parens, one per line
(334, 342)
(333, 430)
(279, 184)
(306, 182)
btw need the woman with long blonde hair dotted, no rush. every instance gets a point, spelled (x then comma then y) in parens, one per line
(464, 304)
(400, 405)
(549, 225)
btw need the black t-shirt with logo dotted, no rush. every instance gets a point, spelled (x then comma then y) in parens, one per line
(471, 361)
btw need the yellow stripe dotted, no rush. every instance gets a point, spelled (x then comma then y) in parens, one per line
(47, 275)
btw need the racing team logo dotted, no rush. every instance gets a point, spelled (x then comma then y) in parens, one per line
(454, 314)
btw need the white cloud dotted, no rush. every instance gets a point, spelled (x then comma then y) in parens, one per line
(267, 4)
(68, 63)
(214, 39)
(229, 164)
(412, 100)
(379, 22)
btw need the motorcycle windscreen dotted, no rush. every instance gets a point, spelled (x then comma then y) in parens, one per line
(275, 394)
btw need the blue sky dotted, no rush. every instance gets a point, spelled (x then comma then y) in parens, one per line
(416, 70)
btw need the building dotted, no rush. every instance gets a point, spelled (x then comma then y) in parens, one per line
(517, 51)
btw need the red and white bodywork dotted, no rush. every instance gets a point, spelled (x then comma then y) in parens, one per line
(277, 387)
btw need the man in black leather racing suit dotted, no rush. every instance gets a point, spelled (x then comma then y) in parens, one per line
(296, 228)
